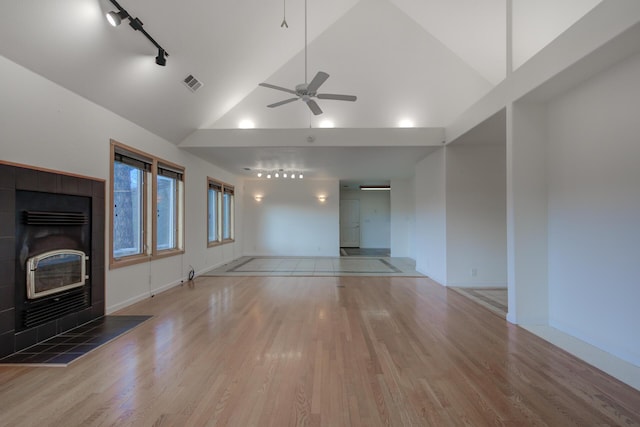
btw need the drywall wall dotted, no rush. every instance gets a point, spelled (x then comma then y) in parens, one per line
(593, 208)
(289, 220)
(431, 219)
(536, 24)
(403, 218)
(527, 213)
(47, 126)
(375, 217)
(476, 215)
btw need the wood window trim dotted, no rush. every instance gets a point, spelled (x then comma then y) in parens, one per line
(148, 206)
(222, 186)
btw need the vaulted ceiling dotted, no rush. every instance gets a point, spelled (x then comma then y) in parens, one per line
(422, 60)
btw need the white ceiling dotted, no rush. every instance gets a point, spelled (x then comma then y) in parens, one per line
(425, 60)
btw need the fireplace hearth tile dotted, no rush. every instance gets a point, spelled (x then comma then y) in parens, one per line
(69, 184)
(26, 179)
(7, 224)
(7, 322)
(7, 177)
(6, 344)
(7, 201)
(7, 294)
(67, 322)
(47, 330)
(26, 339)
(7, 247)
(49, 182)
(71, 345)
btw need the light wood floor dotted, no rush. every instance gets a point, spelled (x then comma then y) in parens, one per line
(334, 351)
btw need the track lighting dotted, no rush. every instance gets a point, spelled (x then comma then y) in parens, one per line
(161, 58)
(115, 18)
(279, 173)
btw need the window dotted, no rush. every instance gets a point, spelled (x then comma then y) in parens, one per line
(227, 214)
(213, 201)
(168, 207)
(136, 235)
(130, 177)
(220, 212)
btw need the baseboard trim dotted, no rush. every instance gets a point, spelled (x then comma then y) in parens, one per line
(148, 294)
(618, 368)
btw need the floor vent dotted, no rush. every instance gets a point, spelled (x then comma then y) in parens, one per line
(192, 83)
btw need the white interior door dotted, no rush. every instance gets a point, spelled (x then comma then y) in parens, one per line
(350, 223)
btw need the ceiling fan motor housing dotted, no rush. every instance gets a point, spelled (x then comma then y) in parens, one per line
(301, 90)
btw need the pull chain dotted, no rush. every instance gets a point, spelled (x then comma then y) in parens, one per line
(284, 15)
(305, 41)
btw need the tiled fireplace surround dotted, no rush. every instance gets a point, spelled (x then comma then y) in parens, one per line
(15, 178)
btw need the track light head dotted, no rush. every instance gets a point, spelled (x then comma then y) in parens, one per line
(161, 59)
(115, 18)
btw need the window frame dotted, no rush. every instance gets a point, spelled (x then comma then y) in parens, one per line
(228, 189)
(149, 207)
(221, 189)
(178, 232)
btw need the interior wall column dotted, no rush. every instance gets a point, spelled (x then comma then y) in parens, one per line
(527, 140)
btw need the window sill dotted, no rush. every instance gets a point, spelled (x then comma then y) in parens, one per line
(168, 253)
(219, 243)
(138, 259)
(127, 261)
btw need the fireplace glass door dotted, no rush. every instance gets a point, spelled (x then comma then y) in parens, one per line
(54, 272)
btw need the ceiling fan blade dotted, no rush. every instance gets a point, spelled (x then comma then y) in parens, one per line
(284, 89)
(286, 101)
(337, 97)
(317, 81)
(313, 106)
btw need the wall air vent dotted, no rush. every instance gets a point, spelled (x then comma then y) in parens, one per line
(192, 83)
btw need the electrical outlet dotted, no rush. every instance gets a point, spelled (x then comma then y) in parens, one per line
(474, 272)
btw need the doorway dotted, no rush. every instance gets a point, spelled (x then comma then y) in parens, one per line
(350, 223)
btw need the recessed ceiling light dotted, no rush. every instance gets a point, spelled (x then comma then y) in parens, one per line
(405, 123)
(246, 124)
(326, 124)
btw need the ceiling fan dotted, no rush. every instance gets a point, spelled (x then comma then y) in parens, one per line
(306, 91)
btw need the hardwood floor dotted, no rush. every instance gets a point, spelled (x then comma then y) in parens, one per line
(334, 351)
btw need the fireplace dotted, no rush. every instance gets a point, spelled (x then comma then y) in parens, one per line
(53, 234)
(55, 271)
(51, 254)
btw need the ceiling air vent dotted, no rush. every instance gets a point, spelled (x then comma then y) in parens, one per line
(192, 83)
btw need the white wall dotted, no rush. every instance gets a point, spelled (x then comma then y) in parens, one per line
(290, 220)
(594, 211)
(476, 215)
(431, 219)
(375, 217)
(403, 218)
(45, 125)
(527, 141)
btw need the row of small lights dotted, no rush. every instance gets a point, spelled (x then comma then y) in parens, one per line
(248, 124)
(291, 175)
